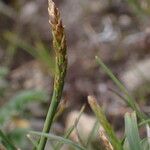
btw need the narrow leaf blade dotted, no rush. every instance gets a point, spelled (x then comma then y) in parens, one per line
(58, 138)
(131, 131)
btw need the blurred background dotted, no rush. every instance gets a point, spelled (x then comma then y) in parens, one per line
(118, 31)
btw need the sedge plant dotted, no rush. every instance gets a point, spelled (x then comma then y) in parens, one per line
(108, 138)
(59, 45)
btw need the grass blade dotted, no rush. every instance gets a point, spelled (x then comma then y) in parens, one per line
(58, 138)
(131, 131)
(92, 133)
(103, 121)
(80, 140)
(147, 121)
(128, 98)
(70, 130)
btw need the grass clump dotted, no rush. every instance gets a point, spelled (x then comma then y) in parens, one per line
(132, 140)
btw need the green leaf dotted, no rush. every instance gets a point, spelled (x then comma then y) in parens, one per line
(128, 98)
(104, 122)
(131, 131)
(146, 121)
(18, 103)
(7, 142)
(58, 138)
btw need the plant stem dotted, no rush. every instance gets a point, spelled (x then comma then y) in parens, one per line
(48, 121)
(59, 45)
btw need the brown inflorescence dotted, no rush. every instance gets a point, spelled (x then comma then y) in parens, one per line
(59, 42)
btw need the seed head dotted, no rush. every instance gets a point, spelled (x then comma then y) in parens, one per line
(59, 45)
(55, 21)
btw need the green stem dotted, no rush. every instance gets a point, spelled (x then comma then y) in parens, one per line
(48, 122)
(58, 88)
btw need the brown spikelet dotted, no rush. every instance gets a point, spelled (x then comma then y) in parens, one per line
(59, 42)
(107, 145)
(56, 23)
